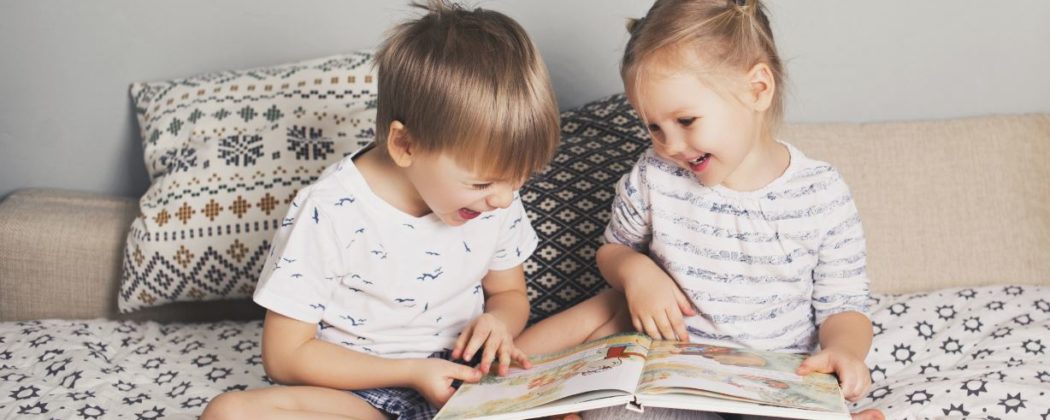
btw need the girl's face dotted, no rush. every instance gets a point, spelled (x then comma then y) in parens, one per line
(710, 133)
(454, 194)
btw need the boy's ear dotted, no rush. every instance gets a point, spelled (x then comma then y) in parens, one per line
(761, 87)
(399, 144)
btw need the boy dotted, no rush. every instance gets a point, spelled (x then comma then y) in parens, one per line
(408, 254)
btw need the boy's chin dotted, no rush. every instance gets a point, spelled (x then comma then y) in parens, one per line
(453, 220)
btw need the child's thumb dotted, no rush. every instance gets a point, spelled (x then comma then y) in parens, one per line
(466, 373)
(817, 363)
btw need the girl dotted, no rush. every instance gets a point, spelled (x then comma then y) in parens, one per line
(721, 232)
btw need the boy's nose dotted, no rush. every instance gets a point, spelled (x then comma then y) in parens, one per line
(501, 198)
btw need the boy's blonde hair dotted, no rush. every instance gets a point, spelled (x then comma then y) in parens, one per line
(732, 33)
(470, 83)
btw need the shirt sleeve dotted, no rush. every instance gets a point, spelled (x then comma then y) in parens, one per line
(517, 239)
(630, 222)
(300, 272)
(840, 280)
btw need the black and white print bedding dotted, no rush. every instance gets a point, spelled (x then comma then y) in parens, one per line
(974, 353)
(962, 353)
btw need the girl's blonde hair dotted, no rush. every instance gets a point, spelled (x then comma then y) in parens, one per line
(732, 34)
(471, 83)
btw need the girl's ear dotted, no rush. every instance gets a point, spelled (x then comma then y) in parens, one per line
(399, 144)
(761, 87)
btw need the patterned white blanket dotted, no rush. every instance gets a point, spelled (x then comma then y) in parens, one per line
(975, 353)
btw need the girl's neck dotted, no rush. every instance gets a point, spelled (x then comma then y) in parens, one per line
(767, 161)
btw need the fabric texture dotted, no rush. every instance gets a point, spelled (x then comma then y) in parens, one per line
(963, 202)
(226, 153)
(381, 281)
(763, 268)
(403, 403)
(980, 351)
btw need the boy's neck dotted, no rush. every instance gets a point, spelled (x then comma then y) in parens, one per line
(388, 181)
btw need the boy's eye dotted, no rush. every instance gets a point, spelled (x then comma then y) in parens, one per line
(654, 128)
(480, 186)
(686, 121)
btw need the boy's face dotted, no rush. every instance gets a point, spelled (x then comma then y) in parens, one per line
(454, 194)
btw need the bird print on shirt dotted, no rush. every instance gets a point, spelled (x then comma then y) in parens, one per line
(432, 275)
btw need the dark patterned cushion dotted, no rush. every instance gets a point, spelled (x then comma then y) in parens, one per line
(569, 202)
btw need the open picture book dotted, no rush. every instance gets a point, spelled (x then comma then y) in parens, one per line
(635, 371)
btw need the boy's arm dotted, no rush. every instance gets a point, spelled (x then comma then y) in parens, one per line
(506, 312)
(506, 299)
(293, 356)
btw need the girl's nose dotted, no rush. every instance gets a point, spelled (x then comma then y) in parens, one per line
(674, 144)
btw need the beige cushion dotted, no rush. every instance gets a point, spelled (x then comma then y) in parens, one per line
(60, 257)
(963, 202)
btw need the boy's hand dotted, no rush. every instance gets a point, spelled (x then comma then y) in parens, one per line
(433, 379)
(488, 331)
(657, 306)
(854, 376)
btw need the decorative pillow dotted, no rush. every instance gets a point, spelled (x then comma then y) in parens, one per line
(569, 202)
(226, 153)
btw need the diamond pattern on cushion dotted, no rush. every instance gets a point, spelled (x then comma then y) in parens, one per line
(569, 202)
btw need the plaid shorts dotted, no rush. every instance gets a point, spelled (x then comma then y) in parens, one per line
(402, 403)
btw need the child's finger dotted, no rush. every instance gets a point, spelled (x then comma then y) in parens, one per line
(461, 342)
(491, 348)
(650, 328)
(504, 358)
(463, 373)
(474, 343)
(819, 362)
(522, 359)
(678, 325)
(684, 305)
(663, 322)
(637, 324)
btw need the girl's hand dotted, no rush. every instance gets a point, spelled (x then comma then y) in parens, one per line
(488, 331)
(433, 379)
(854, 376)
(657, 305)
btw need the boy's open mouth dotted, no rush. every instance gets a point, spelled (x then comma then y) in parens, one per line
(700, 162)
(467, 214)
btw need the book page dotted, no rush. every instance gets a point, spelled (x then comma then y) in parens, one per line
(739, 374)
(612, 363)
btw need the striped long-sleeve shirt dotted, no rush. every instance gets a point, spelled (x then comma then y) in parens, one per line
(764, 268)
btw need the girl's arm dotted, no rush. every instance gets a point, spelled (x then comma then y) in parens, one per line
(845, 338)
(656, 303)
(847, 331)
(620, 264)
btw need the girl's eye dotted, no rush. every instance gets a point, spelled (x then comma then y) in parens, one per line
(654, 128)
(685, 122)
(480, 186)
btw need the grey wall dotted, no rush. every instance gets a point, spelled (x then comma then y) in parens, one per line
(66, 120)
